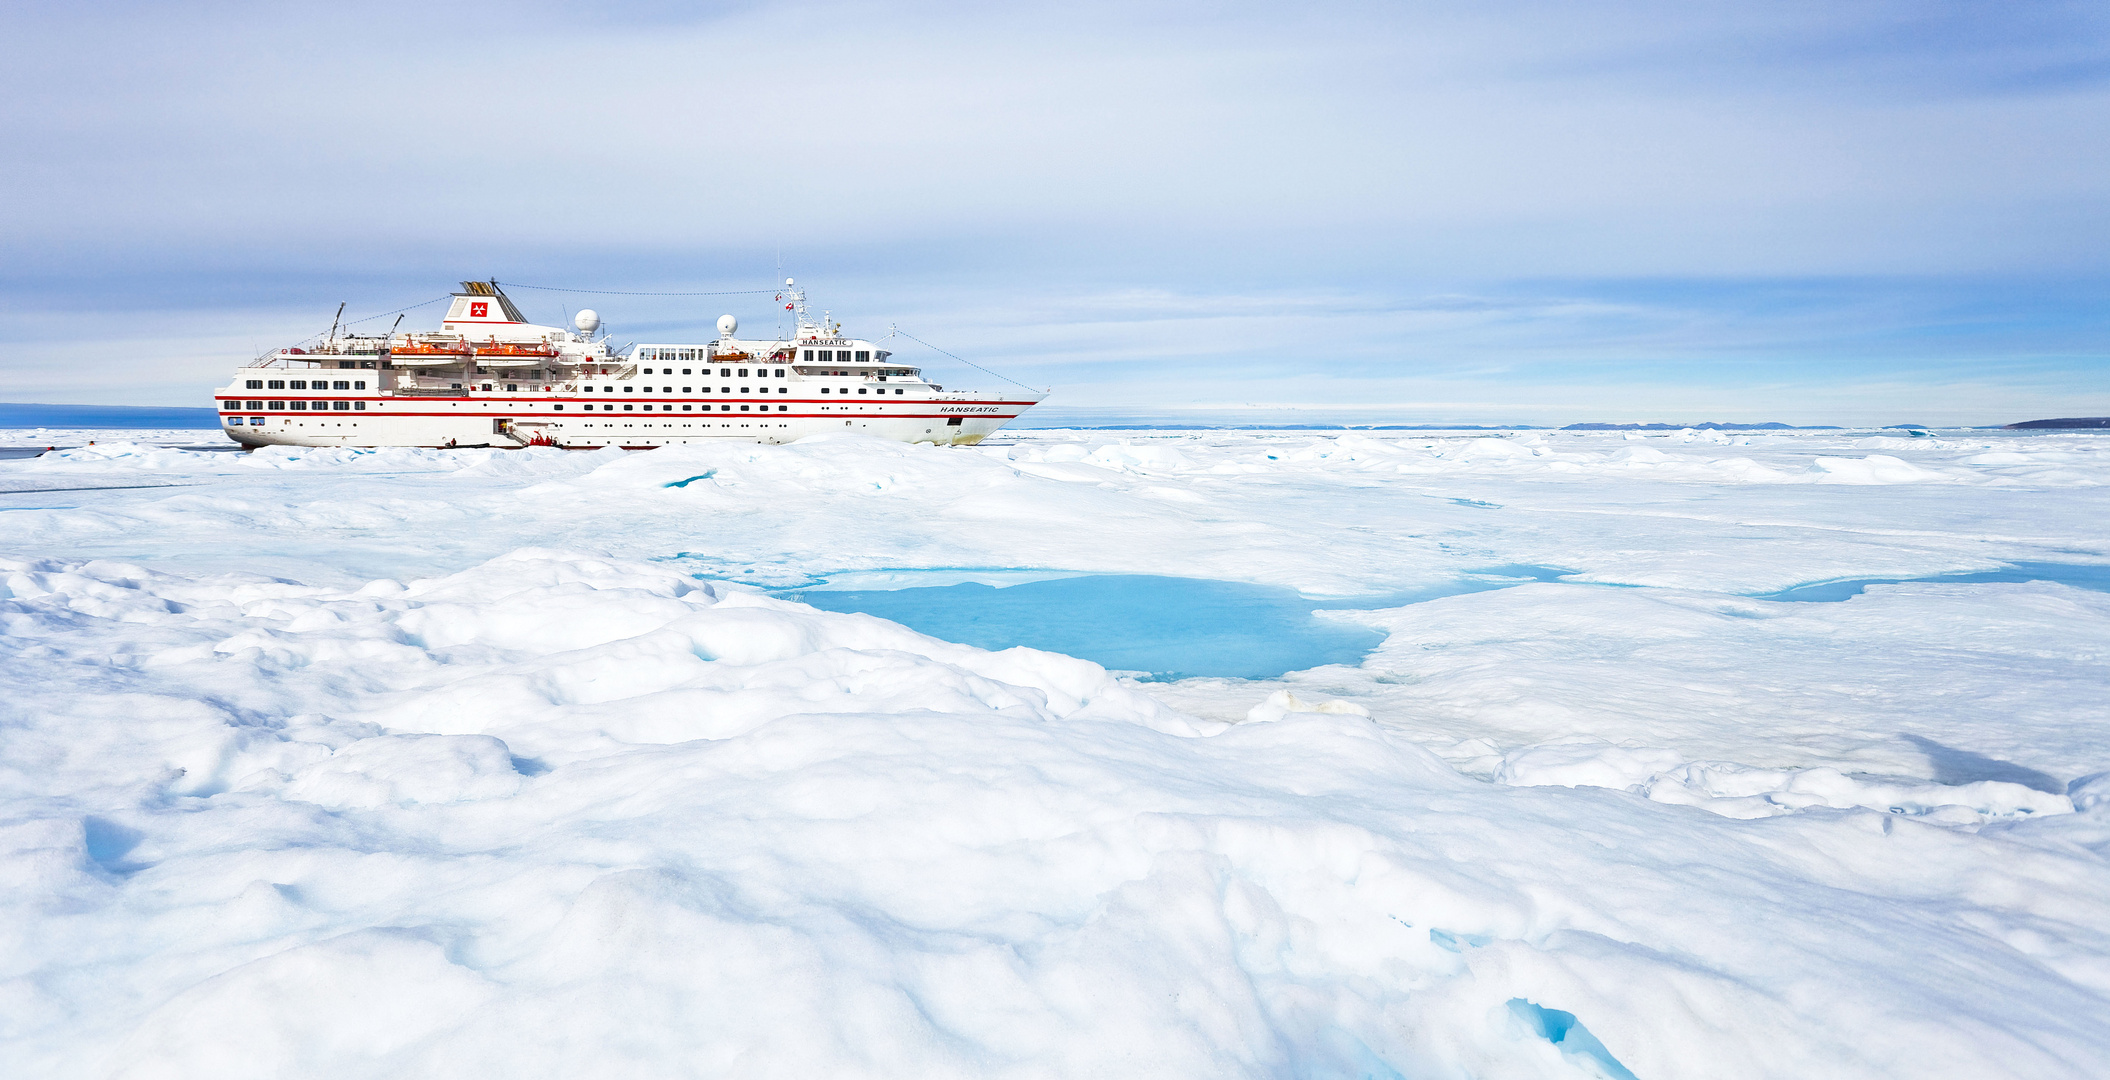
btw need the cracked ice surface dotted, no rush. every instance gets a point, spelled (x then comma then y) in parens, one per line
(480, 763)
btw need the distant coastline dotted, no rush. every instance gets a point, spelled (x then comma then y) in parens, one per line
(2067, 423)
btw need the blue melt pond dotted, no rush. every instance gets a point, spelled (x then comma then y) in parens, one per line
(2077, 575)
(1170, 627)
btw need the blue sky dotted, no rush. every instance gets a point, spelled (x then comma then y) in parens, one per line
(1507, 212)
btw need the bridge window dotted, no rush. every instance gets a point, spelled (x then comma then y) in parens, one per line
(275, 384)
(863, 356)
(255, 384)
(300, 384)
(338, 385)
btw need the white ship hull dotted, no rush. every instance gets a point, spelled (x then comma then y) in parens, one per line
(523, 420)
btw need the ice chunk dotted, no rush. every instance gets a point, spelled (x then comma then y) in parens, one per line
(1584, 763)
(1282, 703)
(1873, 469)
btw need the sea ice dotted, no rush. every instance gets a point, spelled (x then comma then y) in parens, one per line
(481, 763)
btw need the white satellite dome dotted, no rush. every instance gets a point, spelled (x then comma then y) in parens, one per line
(587, 321)
(726, 325)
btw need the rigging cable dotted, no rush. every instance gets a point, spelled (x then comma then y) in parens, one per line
(612, 292)
(963, 360)
(346, 326)
(398, 311)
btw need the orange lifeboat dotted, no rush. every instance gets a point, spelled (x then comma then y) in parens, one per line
(426, 348)
(494, 348)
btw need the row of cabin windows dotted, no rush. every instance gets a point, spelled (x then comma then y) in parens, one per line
(724, 372)
(342, 406)
(297, 406)
(628, 407)
(609, 388)
(837, 356)
(360, 406)
(688, 390)
(303, 384)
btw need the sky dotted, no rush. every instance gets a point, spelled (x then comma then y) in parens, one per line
(1505, 212)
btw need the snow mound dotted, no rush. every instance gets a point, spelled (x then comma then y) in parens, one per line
(403, 769)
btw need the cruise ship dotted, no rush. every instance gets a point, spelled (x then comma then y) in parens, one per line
(489, 377)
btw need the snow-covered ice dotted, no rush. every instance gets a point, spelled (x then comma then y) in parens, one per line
(485, 763)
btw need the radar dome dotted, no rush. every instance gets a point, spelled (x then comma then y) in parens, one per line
(587, 321)
(726, 325)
